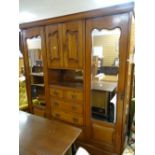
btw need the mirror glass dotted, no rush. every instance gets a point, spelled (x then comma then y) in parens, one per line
(104, 73)
(36, 70)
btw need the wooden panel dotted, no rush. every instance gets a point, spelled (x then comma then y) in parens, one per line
(67, 106)
(102, 133)
(53, 44)
(74, 95)
(73, 37)
(56, 92)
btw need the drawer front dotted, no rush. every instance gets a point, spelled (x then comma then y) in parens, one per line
(74, 95)
(55, 92)
(68, 117)
(68, 106)
(75, 119)
(39, 112)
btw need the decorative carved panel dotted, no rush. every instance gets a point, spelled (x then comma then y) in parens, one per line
(72, 45)
(54, 46)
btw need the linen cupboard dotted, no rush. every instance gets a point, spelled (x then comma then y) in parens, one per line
(78, 71)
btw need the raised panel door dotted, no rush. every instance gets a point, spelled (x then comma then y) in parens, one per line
(106, 53)
(53, 44)
(73, 44)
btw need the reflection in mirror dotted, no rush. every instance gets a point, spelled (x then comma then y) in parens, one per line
(34, 53)
(104, 73)
(36, 70)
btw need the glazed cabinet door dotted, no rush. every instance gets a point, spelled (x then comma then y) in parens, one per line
(106, 53)
(54, 46)
(73, 44)
(35, 68)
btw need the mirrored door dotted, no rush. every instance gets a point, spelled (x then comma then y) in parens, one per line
(104, 73)
(34, 56)
(35, 59)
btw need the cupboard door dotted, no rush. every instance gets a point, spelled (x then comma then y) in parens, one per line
(73, 42)
(106, 53)
(35, 66)
(53, 44)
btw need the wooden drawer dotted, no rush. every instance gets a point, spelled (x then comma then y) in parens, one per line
(68, 117)
(56, 92)
(74, 95)
(68, 106)
(39, 111)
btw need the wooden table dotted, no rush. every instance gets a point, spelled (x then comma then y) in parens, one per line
(40, 136)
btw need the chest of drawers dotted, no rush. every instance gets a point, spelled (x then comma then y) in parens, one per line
(67, 104)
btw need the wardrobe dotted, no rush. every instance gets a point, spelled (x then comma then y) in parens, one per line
(78, 71)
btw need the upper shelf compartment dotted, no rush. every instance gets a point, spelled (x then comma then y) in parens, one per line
(65, 45)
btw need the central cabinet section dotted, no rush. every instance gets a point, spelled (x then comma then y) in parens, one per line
(65, 44)
(66, 95)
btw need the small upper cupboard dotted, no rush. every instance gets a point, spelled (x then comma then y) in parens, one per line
(65, 45)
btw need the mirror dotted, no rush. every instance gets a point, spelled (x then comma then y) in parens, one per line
(36, 70)
(34, 53)
(104, 73)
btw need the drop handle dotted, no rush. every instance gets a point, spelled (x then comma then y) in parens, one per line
(121, 95)
(73, 96)
(55, 93)
(56, 103)
(75, 120)
(74, 107)
(57, 115)
(64, 46)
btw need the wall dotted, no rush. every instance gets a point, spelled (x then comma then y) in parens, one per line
(109, 44)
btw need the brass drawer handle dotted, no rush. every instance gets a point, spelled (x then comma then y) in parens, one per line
(73, 96)
(55, 93)
(75, 120)
(56, 103)
(74, 107)
(57, 115)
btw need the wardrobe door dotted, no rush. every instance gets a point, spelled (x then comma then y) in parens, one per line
(35, 67)
(106, 52)
(73, 44)
(54, 45)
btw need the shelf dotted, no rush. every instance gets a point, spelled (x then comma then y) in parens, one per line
(37, 74)
(38, 85)
(38, 102)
